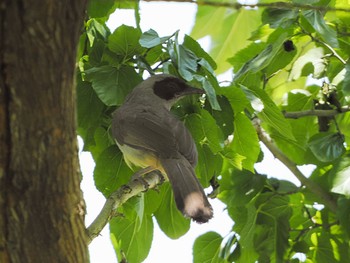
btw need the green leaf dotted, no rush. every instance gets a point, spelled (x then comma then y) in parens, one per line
(240, 185)
(343, 213)
(208, 20)
(194, 46)
(231, 249)
(327, 146)
(278, 17)
(100, 9)
(96, 140)
(186, 62)
(169, 218)
(340, 173)
(111, 84)
(247, 234)
(96, 30)
(152, 201)
(346, 82)
(232, 35)
(125, 41)
(131, 235)
(245, 54)
(207, 247)
(274, 215)
(264, 58)
(316, 20)
(209, 164)
(209, 90)
(324, 248)
(111, 171)
(233, 158)
(205, 131)
(213, 135)
(223, 118)
(89, 106)
(271, 114)
(151, 39)
(245, 141)
(236, 97)
(312, 61)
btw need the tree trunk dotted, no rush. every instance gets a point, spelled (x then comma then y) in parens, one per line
(40, 197)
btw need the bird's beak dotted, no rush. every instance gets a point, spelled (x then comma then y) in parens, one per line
(191, 90)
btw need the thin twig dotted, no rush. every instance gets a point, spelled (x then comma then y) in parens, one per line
(318, 113)
(279, 5)
(309, 184)
(119, 197)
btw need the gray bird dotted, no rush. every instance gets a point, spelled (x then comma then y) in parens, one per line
(152, 138)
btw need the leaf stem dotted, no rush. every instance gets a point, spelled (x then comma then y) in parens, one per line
(119, 197)
(311, 185)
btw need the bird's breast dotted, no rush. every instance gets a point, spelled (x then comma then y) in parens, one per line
(139, 157)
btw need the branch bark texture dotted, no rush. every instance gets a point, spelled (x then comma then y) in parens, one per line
(119, 197)
(318, 113)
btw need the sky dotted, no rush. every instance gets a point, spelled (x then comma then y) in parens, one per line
(165, 19)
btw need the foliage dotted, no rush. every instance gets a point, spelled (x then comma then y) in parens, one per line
(275, 54)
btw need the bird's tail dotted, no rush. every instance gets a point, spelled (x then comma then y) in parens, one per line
(189, 194)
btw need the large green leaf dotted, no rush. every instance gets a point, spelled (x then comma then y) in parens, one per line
(223, 118)
(96, 30)
(124, 41)
(112, 84)
(279, 17)
(208, 20)
(245, 141)
(236, 97)
(309, 62)
(194, 46)
(209, 90)
(343, 213)
(111, 171)
(229, 31)
(324, 247)
(169, 218)
(151, 39)
(327, 146)
(204, 129)
(273, 219)
(209, 164)
(264, 58)
(341, 177)
(346, 82)
(131, 235)
(271, 114)
(233, 36)
(89, 106)
(207, 247)
(316, 20)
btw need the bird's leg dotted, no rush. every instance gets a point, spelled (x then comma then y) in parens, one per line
(138, 176)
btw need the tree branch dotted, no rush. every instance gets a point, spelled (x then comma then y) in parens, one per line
(119, 197)
(313, 112)
(311, 185)
(280, 5)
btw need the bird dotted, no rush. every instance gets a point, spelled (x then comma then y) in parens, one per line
(152, 138)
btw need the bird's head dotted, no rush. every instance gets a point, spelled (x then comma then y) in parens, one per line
(165, 89)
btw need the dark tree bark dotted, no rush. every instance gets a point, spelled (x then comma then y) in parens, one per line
(41, 217)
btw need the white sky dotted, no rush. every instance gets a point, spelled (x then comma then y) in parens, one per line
(164, 18)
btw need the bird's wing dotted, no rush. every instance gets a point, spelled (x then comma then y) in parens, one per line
(159, 132)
